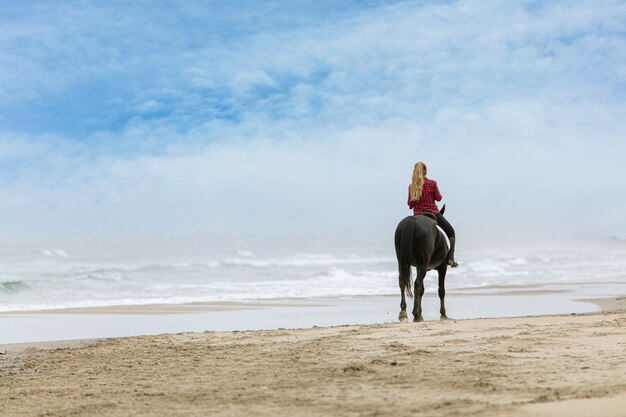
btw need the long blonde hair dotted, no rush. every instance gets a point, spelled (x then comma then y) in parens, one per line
(417, 183)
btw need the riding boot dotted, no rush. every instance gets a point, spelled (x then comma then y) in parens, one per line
(451, 261)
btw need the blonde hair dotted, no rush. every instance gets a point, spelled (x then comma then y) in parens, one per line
(417, 183)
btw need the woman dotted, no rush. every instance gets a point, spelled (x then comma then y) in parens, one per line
(423, 192)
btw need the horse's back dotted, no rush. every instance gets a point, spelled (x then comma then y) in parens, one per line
(417, 225)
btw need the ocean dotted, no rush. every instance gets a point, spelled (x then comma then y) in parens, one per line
(44, 278)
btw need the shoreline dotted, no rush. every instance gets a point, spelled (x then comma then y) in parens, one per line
(583, 291)
(609, 305)
(122, 321)
(568, 364)
(605, 305)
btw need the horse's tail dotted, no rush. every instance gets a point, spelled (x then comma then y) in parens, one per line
(405, 252)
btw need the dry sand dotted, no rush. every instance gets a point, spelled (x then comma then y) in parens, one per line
(570, 365)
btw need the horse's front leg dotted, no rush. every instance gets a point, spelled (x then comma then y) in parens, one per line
(402, 316)
(418, 294)
(442, 269)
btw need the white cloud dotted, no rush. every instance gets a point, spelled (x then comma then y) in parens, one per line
(518, 111)
(329, 181)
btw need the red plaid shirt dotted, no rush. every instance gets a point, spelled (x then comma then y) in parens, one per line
(426, 203)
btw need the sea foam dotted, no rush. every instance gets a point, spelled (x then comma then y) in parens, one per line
(52, 279)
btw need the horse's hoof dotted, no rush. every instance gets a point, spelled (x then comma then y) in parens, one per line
(418, 319)
(444, 317)
(403, 317)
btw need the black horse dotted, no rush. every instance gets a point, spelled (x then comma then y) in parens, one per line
(421, 244)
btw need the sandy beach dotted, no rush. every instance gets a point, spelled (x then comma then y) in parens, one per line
(528, 366)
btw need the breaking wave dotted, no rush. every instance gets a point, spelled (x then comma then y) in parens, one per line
(53, 279)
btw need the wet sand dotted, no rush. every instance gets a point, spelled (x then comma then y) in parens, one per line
(463, 303)
(151, 309)
(528, 366)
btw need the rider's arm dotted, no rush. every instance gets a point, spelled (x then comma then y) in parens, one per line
(409, 202)
(437, 193)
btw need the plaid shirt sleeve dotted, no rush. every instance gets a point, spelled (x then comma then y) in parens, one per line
(438, 196)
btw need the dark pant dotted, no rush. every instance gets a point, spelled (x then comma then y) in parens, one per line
(447, 227)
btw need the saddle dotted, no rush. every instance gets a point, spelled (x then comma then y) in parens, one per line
(429, 215)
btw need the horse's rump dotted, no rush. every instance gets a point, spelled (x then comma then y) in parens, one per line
(414, 241)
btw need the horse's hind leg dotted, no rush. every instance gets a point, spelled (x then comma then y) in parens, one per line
(419, 292)
(402, 316)
(442, 269)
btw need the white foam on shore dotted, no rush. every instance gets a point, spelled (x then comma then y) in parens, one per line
(51, 279)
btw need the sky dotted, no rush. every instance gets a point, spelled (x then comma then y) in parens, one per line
(303, 119)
